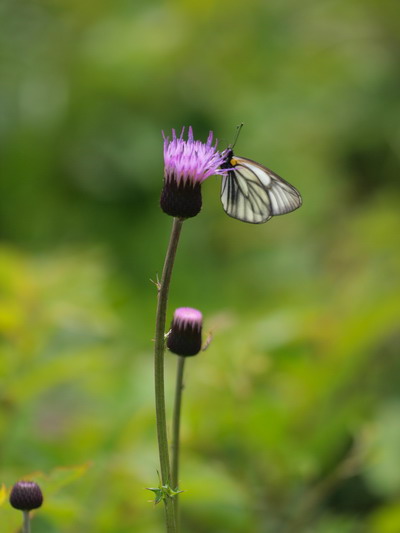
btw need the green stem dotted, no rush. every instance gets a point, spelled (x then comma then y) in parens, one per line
(26, 528)
(175, 433)
(159, 347)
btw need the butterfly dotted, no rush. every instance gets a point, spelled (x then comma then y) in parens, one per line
(253, 193)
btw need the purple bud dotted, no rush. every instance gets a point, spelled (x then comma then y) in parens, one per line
(26, 495)
(185, 336)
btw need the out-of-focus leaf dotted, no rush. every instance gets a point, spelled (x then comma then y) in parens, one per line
(382, 442)
(386, 519)
(3, 494)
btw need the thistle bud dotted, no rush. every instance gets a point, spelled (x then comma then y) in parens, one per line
(185, 336)
(26, 495)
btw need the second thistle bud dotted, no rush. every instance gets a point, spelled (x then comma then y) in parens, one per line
(26, 495)
(185, 336)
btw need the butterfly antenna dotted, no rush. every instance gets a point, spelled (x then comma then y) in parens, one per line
(238, 130)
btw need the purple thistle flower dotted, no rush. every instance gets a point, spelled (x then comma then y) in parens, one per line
(191, 160)
(26, 495)
(185, 336)
(186, 165)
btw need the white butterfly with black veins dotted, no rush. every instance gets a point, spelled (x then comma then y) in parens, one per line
(253, 193)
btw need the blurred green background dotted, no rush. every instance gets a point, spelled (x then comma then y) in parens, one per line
(291, 419)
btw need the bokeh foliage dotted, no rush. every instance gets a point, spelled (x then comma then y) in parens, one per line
(291, 417)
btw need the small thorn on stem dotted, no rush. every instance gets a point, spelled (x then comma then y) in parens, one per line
(157, 283)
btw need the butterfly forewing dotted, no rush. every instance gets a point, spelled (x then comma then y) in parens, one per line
(253, 193)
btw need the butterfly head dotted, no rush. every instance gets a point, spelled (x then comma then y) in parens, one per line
(229, 159)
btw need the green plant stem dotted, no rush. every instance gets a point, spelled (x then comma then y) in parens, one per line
(175, 433)
(26, 528)
(159, 347)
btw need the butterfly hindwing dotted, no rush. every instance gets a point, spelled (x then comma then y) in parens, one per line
(253, 193)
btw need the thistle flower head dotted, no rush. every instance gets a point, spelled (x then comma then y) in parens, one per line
(185, 336)
(190, 161)
(26, 495)
(187, 163)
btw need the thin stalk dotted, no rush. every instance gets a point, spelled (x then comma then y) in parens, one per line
(26, 527)
(159, 347)
(176, 419)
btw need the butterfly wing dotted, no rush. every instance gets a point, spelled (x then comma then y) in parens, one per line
(243, 196)
(253, 193)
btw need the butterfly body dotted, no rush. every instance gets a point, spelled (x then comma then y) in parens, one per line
(253, 193)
